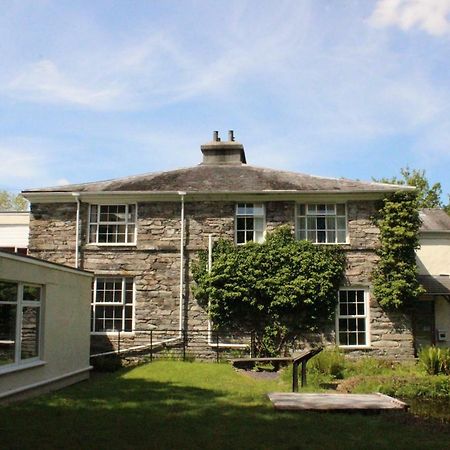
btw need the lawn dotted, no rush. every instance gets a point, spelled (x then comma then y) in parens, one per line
(176, 405)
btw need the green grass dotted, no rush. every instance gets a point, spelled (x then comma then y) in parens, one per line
(176, 405)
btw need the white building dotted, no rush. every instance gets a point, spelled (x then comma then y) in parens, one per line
(432, 318)
(14, 230)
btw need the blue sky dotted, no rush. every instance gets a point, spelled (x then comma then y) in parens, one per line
(97, 90)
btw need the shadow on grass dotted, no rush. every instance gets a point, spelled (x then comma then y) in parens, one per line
(113, 412)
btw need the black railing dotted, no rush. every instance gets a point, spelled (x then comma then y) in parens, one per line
(173, 343)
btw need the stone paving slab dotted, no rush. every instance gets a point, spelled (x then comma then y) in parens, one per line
(335, 402)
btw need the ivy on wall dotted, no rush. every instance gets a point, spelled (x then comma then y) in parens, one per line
(395, 277)
(278, 289)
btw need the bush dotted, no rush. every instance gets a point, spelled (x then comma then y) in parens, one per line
(435, 360)
(330, 361)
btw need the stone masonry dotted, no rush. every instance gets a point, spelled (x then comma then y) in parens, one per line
(154, 262)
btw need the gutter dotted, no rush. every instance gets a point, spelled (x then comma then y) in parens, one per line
(77, 230)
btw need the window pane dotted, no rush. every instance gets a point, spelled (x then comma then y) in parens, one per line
(240, 223)
(240, 237)
(321, 223)
(343, 339)
(301, 223)
(301, 234)
(8, 291)
(258, 209)
(361, 338)
(360, 309)
(341, 236)
(7, 333)
(352, 339)
(321, 209)
(259, 236)
(312, 236)
(32, 293)
(311, 223)
(131, 233)
(340, 209)
(93, 216)
(301, 210)
(331, 209)
(340, 222)
(258, 224)
(312, 209)
(30, 332)
(331, 236)
(331, 223)
(321, 237)
(249, 236)
(343, 309)
(240, 209)
(361, 324)
(131, 213)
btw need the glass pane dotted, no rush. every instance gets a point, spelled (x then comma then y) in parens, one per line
(93, 233)
(93, 216)
(8, 291)
(312, 236)
(321, 209)
(30, 332)
(331, 223)
(258, 224)
(340, 209)
(352, 309)
(343, 296)
(343, 309)
(361, 324)
(241, 209)
(249, 223)
(32, 293)
(301, 210)
(258, 209)
(352, 339)
(311, 223)
(301, 223)
(249, 236)
(360, 309)
(342, 325)
(240, 223)
(259, 236)
(361, 338)
(331, 208)
(131, 213)
(301, 234)
(321, 223)
(321, 237)
(340, 221)
(341, 237)
(240, 237)
(131, 237)
(7, 333)
(343, 338)
(331, 236)
(360, 296)
(351, 295)
(351, 324)
(311, 209)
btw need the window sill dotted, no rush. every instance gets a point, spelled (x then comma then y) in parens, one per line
(113, 333)
(355, 347)
(106, 244)
(17, 367)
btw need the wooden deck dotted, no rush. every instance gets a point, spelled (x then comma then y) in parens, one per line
(335, 402)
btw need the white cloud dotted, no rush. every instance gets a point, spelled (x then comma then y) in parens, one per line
(431, 16)
(43, 81)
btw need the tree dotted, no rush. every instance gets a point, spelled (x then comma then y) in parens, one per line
(12, 202)
(395, 281)
(278, 289)
(427, 196)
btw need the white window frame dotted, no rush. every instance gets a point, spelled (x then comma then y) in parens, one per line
(98, 223)
(307, 214)
(20, 303)
(365, 316)
(236, 216)
(123, 304)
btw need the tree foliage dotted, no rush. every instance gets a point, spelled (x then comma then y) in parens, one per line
(277, 289)
(395, 278)
(427, 196)
(12, 202)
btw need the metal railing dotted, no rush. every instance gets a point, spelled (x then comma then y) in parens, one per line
(173, 343)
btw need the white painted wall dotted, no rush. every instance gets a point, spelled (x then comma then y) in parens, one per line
(65, 326)
(433, 257)
(14, 229)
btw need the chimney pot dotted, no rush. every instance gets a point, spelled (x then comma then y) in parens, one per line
(216, 137)
(231, 135)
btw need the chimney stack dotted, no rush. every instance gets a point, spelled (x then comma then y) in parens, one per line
(223, 152)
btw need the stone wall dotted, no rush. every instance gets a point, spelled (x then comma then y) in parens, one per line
(154, 262)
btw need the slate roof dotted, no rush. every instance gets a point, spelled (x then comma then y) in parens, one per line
(434, 219)
(224, 178)
(438, 284)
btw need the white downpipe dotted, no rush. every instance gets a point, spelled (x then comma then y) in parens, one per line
(77, 230)
(210, 342)
(182, 194)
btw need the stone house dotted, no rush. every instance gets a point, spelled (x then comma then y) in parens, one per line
(139, 235)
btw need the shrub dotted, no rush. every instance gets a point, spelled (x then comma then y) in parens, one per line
(435, 360)
(330, 361)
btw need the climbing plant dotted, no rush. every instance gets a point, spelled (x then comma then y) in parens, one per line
(395, 277)
(277, 289)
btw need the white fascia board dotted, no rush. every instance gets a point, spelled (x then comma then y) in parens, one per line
(105, 197)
